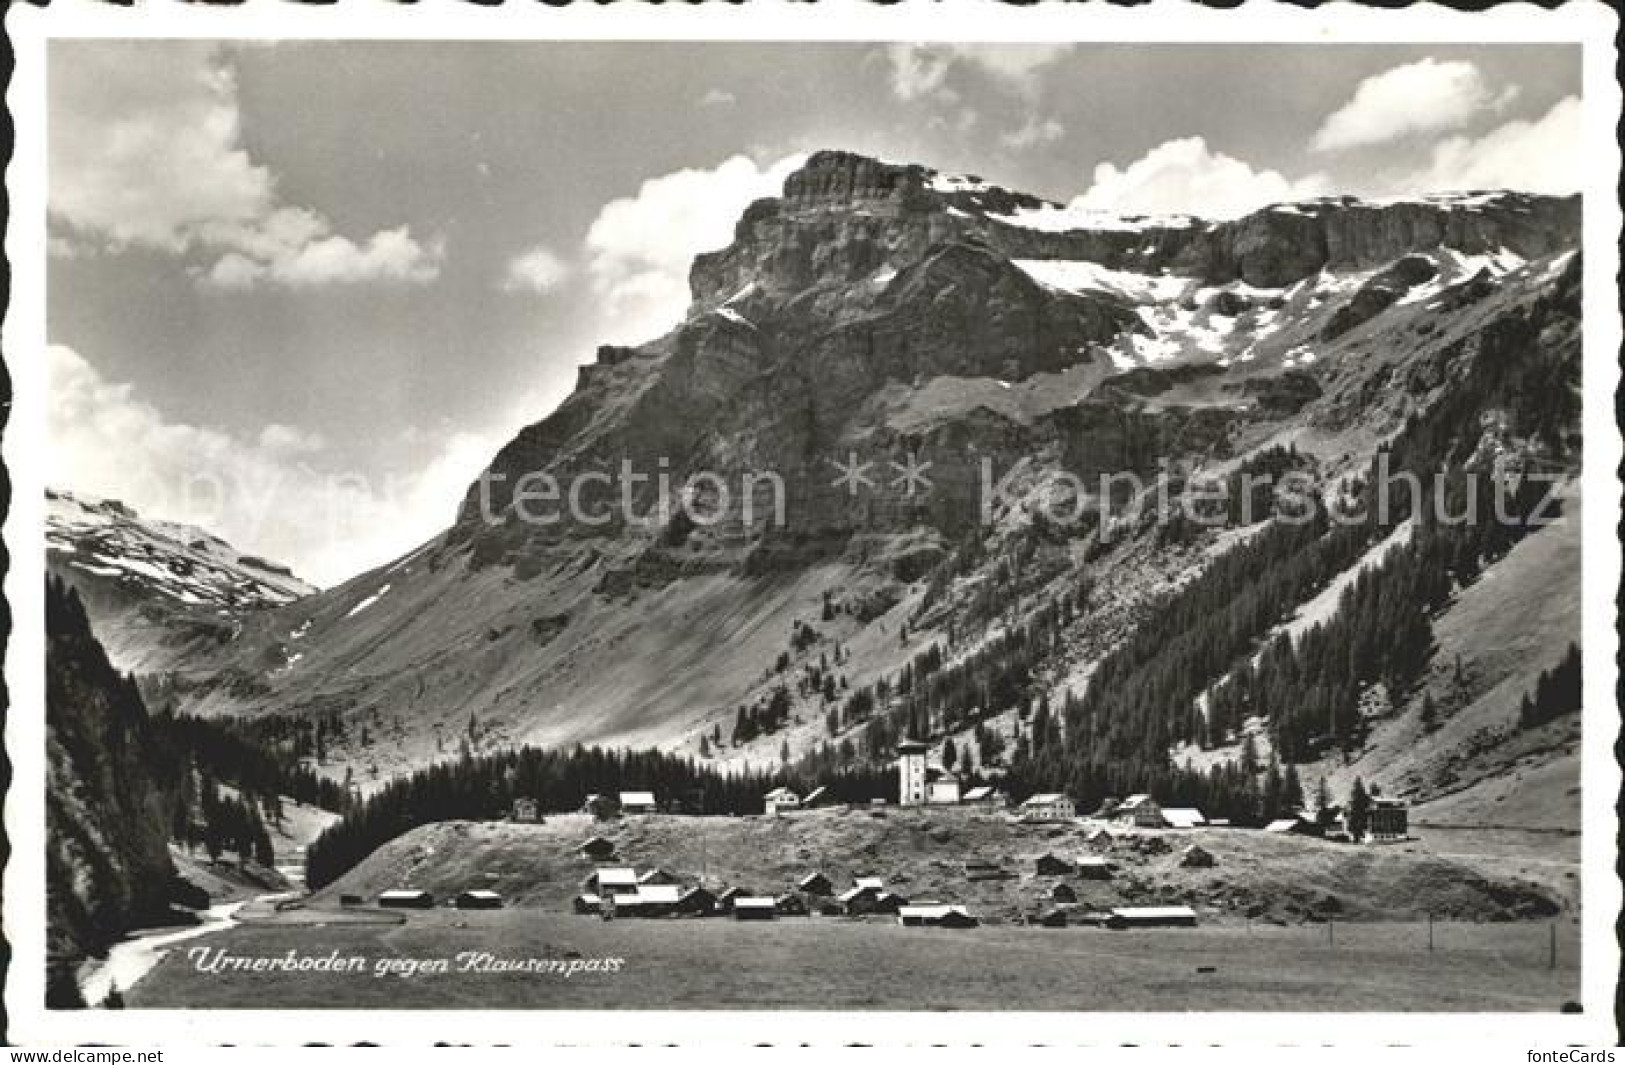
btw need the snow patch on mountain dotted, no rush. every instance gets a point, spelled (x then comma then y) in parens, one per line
(106, 539)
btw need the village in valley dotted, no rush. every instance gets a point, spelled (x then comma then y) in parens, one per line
(613, 890)
(822, 903)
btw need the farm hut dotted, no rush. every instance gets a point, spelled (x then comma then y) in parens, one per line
(1099, 840)
(601, 807)
(1063, 892)
(612, 880)
(1053, 919)
(626, 905)
(726, 900)
(888, 902)
(696, 902)
(1390, 819)
(935, 915)
(1048, 806)
(874, 882)
(406, 899)
(814, 797)
(755, 908)
(858, 899)
(1094, 867)
(350, 900)
(1139, 810)
(587, 904)
(816, 884)
(1196, 857)
(638, 802)
(526, 810)
(658, 876)
(780, 800)
(941, 787)
(478, 899)
(831, 909)
(1152, 917)
(791, 905)
(597, 849)
(654, 900)
(1052, 865)
(919, 916)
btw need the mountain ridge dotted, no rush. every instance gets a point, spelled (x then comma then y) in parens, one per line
(867, 312)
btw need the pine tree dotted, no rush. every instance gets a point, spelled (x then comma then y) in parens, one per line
(1359, 810)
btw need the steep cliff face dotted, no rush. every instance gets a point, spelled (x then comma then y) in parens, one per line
(1012, 351)
(108, 816)
(865, 275)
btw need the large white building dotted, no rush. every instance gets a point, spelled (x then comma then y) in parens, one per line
(1049, 806)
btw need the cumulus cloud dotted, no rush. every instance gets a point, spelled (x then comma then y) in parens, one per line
(145, 149)
(919, 70)
(279, 439)
(263, 494)
(1542, 155)
(718, 98)
(1185, 176)
(539, 270)
(639, 248)
(1035, 133)
(1422, 97)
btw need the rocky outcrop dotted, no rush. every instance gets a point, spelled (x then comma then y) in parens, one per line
(865, 275)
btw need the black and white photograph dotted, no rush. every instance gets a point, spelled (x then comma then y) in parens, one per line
(1067, 525)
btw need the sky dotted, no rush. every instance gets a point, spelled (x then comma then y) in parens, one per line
(300, 293)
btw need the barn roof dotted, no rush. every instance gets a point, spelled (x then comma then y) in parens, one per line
(933, 911)
(1285, 824)
(852, 893)
(1183, 817)
(480, 893)
(869, 882)
(755, 902)
(1134, 802)
(617, 876)
(1153, 912)
(637, 798)
(659, 893)
(814, 795)
(1045, 799)
(782, 794)
(977, 794)
(403, 893)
